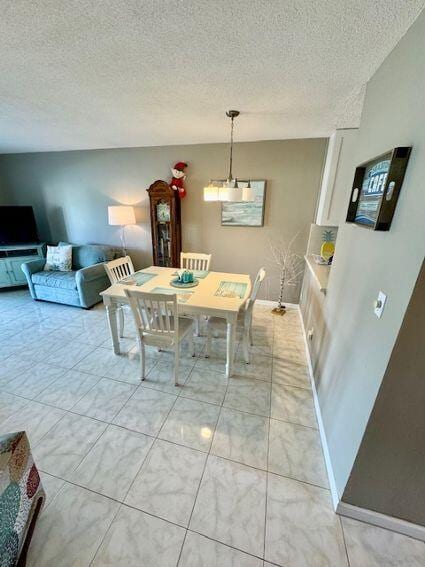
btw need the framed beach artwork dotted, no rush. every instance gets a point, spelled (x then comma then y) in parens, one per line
(248, 213)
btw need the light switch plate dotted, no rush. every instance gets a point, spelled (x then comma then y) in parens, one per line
(380, 304)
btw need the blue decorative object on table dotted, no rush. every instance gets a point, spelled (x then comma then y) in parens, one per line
(177, 283)
(197, 274)
(184, 279)
(184, 276)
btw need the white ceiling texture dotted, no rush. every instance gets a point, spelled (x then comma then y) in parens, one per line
(78, 74)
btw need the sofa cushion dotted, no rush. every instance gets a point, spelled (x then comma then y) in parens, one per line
(58, 258)
(84, 255)
(63, 280)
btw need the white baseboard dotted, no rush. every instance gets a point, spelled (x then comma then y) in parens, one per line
(328, 462)
(342, 508)
(381, 520)
(274, 303)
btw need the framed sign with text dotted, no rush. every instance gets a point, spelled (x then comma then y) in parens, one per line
(376, 188)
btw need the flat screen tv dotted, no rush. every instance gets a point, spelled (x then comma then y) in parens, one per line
(17, 225)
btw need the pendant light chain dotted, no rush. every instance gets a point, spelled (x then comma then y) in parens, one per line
(231, 149)
(232, 114)
(229, 190)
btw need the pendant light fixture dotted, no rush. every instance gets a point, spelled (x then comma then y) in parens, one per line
(229, 190)
(211, 192)
(248, 192)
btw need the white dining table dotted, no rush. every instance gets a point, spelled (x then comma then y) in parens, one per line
(203, 300)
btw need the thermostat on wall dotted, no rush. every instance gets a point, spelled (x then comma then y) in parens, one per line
(379, 304)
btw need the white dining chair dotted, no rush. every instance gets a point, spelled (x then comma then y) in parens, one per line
(195, 261)
(117, 270)
(244, 319)
(158, 324)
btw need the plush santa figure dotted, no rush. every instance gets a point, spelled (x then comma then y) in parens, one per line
(178, 178)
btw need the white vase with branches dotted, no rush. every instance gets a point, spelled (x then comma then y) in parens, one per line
(290, 266)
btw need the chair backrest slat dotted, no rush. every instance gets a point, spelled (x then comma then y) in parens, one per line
(257, 283)
(195, 261)
(119, 269)
(168, 326)
(155, 314)
(254, 292)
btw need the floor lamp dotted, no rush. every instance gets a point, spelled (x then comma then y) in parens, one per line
(121, 216)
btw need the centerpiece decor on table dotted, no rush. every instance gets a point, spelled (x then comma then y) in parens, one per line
(184, 279)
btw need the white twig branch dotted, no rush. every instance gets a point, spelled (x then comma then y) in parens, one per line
(289, 263)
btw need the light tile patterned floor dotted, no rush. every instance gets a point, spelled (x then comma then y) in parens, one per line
(214, 473)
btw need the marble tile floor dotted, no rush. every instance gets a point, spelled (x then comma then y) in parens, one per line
(213, 473)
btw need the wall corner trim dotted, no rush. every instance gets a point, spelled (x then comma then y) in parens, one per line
(328, 462)
(381, 520)
(342, 508)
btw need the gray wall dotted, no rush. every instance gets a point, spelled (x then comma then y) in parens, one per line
(71, 192)
(389, 471)
(355, 354)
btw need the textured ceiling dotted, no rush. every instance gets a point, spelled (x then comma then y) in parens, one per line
(117, 73)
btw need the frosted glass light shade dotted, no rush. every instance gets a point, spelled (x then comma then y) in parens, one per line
(211, 192)
(228, 191)
(248, 194)
(121, 215)
(223, 193)
(235, 194)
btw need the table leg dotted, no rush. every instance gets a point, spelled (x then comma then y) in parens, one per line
(111, 311)
(231, 335)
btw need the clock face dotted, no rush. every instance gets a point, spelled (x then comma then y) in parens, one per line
(163, 211)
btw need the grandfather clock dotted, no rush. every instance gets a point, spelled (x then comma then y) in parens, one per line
(165, 224)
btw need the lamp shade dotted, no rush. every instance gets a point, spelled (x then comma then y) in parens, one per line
(223, 193)
(235, 195)
(248, 194)
(211, 192)
(121, 215)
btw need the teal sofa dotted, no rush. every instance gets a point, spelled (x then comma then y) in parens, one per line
(81, 286)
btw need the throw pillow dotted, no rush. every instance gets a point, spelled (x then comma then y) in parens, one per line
(58, 259)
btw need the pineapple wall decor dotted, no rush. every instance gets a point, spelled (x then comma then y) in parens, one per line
(328, 247)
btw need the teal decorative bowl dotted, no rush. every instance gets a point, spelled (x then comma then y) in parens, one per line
(177, 283)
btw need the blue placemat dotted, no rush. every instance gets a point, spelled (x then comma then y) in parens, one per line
(182, 294)
(231, 289)
(138, 278)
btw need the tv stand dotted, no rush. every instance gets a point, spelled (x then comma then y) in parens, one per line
(11, 258)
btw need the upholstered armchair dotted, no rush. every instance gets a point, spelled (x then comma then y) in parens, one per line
(81, 286)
